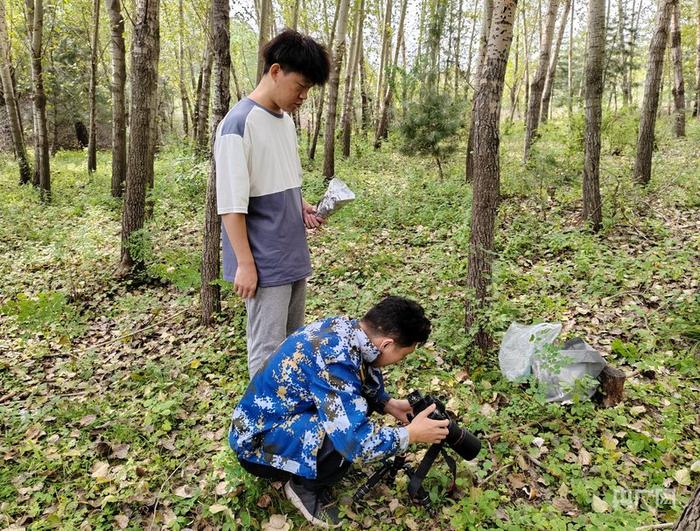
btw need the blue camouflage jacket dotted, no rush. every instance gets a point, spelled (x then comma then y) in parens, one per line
(311, 387)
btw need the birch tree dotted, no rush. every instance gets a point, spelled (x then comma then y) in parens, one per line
(551, 71)
(92, 127)
(678, 90)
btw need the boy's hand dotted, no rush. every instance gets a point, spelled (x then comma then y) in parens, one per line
(246, 281)
(308, 213)
(425, 430)
(399, 409)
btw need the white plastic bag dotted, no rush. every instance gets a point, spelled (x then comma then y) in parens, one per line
(519, 343)
(560, 372)
(337, 195)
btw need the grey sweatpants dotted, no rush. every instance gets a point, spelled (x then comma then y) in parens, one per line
(273, 314)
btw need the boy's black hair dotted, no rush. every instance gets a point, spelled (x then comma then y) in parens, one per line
(299, 53)
(401, 319)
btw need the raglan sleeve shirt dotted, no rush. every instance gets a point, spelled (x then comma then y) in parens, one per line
(232, 160)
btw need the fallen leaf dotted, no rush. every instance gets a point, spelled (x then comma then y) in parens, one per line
(394, 504)
(221, 488)
(538, 441)
(695, 467)
(565, 506)
(120, 451)
(87, 420)
(637, 410)
(599, 506)
(276, 522)
(100, 470)
(584, 457)
(122, 521)
(184, 491)
(516, 481)
(682, 476)
(217, 508)
(264, 501)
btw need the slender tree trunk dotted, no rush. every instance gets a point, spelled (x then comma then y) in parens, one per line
(36, 15)
(537, 85)
(116, 21)
(184, 98)
(265, 30)
(458, 45)
(144, 79)
(650, 104)
(634, 31)
(364, 98)
(696, 107)
(468, 71)
(334, 81)
(487, 16)
(526, 45)
(10, 102)
(210, 293)
(621, 20)
(690, 518)
(595, 56)
(678, 85)
(515, 87)
(570, 61)
(346, 120)
(384, 58)
(549, 81)
(92, 128)
(383, 123)
(202, 139)
(485, 196)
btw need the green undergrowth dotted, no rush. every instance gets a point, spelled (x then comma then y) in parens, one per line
(115, 401)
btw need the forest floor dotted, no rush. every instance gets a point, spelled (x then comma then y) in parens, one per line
(115, 402)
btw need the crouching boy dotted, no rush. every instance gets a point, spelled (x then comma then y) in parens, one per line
(303, 418)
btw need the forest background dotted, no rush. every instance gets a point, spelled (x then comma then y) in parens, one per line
(531, 162)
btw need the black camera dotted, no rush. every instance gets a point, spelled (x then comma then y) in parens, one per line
(459, 439)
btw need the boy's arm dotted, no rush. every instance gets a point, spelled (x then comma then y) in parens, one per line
(246, 280)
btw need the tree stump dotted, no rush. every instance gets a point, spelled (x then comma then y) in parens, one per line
(690, 519)
(612, 383)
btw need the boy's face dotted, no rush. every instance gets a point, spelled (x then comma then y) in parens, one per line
(390, 352)
(290, 88)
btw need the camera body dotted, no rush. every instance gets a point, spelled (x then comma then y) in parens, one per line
(460, 440)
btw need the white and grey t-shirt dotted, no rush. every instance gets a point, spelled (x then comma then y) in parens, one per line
(258, 173)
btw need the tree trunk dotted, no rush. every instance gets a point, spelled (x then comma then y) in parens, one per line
(364, 98)
(549, 81)
(202, 139)
(650, 104)
(696, 107)
(184, 98)
(116, 21)
(346, 120)
(487, 16)
(537, 85)
(690, 519)
(210, 293)
(595, 55)
(570, 60)
(383, 123)
(35, 13)
(526, 81)
(383, 58)
(144, 79)
(458, 45)
(678, 85)
(334, 81)
(485, 196)
(265, 31)
(10, 102)
(92, 128)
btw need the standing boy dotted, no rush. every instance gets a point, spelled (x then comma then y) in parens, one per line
(258, 186)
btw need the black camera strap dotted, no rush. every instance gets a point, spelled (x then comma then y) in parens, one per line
(415, 485)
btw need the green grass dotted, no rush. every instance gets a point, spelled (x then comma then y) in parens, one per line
(91, 364)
